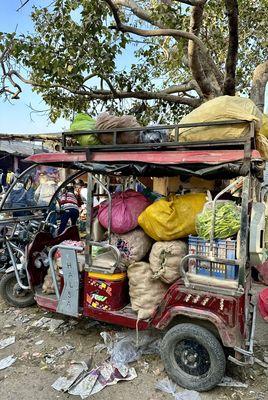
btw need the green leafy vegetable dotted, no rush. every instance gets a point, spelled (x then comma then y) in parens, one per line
(227, 221)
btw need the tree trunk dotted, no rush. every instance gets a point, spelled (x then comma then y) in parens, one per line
(259, 81)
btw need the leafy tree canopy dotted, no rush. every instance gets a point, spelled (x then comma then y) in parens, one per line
(185, 53)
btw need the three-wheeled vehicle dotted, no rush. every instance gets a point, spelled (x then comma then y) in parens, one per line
(201, 315)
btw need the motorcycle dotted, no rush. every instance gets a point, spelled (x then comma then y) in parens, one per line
(14, 283)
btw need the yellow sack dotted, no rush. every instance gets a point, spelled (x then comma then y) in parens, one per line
(264, 127)
(262, 146)
(172, 217)
(220, 109)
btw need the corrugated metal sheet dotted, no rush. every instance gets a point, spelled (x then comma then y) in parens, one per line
(19, 148)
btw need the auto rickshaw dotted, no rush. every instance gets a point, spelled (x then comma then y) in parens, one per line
(204, 318)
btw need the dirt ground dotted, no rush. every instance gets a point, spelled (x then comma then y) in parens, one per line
(30, 377)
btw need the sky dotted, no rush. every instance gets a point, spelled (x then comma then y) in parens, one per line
(16, 117)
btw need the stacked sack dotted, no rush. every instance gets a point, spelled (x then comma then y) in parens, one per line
(132, 241)
(148, 282)
(165, 221)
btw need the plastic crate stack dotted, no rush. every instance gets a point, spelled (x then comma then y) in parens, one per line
(225, 249)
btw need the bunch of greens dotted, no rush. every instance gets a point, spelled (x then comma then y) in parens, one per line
(227, 220)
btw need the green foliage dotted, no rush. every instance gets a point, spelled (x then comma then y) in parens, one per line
(73, 40)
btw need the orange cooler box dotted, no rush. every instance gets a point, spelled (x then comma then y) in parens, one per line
(107, 292)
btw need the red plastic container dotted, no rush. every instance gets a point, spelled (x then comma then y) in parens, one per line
(263, 303)
(107, 292)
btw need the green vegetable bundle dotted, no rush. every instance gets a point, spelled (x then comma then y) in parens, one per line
(227, 220)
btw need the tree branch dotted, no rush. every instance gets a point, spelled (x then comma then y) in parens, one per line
(22, 5)
(259, 82)
(159, 32)
(193, 2)
(105, 95)
(137, 10)
(191, 85)
(231, 59)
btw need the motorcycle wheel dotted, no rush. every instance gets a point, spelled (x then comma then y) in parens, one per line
(12, 294)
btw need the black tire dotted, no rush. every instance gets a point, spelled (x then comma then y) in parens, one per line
(12, 294)
(193, 357)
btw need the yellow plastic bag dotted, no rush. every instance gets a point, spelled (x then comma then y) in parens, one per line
(220, 109)
(172, 217)
(264, 127)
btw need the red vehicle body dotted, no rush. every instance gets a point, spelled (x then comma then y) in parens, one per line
(190, 307)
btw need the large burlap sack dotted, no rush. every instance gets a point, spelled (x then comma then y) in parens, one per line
(262, 146)
(172, 217)
(145, 294)
(48, 286)
(220, 109)
(106, 121)
(126, 207)
(264, 126)
(165, 258)
(133, 245)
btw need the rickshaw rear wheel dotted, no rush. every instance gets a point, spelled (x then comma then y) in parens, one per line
(12, 294)
(193, 357)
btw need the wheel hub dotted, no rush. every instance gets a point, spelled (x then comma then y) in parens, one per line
(18, 291)
(192, 357)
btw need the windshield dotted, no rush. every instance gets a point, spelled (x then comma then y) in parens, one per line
(33, 189)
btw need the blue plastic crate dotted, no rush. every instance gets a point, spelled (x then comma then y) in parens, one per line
(221, 249)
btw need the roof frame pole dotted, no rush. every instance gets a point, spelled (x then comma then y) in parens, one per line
(88, 253)
(244, 229)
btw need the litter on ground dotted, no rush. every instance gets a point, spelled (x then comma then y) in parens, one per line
(7, 342)
(7, 362)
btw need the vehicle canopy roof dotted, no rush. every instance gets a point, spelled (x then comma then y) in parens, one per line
(222, 159)
(208, 164)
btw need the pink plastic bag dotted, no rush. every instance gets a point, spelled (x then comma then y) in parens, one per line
(126, 207)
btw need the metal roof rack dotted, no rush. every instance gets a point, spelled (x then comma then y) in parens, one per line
(247, 142)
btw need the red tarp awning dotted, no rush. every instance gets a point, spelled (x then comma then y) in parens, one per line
(152, 157)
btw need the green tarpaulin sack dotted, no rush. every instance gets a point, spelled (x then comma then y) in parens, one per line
(83, 122)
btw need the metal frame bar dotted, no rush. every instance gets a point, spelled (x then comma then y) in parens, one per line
(51, 266)
(249, 355)
(243, 251)
(226, 291)
(145, 146)
(12, 186)
(9, 248)
(90, 188)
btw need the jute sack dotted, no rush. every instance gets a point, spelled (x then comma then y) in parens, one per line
(165, 258)
(106, 121)
(48, 287)
(133, 245)
(145, 293)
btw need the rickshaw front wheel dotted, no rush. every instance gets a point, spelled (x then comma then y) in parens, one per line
(12, 294)
(193, 357)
